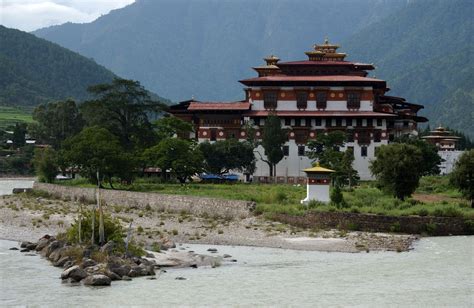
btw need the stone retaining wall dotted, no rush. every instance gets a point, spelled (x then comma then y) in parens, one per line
(379, 223)
(161, 202)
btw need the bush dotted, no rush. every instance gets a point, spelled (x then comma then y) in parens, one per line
(46, 165)
(112, 229)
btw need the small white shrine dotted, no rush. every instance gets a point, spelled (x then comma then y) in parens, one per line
(317, 184)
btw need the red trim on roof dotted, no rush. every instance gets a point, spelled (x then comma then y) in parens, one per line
(219, 106)
(313, 78)
(324, 63)
(319, 113)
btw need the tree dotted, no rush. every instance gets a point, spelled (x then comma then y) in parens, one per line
(181, 157)
(326, 149)
(46, 164)
(431, 159)
(167, 127)
(55, 122)
(273, 139)
(398, 168)
(463, 175)
(94, 150)
(225, 155)
(123, 107)
(19, 132)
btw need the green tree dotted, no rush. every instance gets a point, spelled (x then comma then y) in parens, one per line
(46, 164)
(336, 196)
(431, 159)
(398, 168)
(167, 127)
(181, 157)
(463, 175)
(19, 132)
(55, 122)
(123, 107)
(225, 155)
(326, 149)
(272, 142)
(94, 150)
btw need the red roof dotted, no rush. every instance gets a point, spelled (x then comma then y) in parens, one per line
(314, 78)
(320, 113)
(219, 106)
(324, 63)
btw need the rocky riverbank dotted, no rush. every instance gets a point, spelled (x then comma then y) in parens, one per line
(26, 217)
(99, 266)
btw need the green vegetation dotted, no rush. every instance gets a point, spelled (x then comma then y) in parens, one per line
(462, 176)
(280, 198)
(9, 116)
(273, 139)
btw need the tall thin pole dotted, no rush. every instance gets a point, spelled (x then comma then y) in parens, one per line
(101, 216)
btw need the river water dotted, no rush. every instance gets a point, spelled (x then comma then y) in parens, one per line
(438, 272)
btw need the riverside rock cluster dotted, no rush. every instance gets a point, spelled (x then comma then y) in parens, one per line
(95, 266)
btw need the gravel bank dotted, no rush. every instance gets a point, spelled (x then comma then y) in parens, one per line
(25, 218)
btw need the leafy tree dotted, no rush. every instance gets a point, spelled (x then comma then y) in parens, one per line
(167, 127)
(46, 164)
(398, 168)
(55, 122)
(273, 139)
(463, 175)
(181, 157)
(19, 132)
(326, 149)
(123, 107)
(231, 154)
(94, 150)
(336, 196)
(431, 159)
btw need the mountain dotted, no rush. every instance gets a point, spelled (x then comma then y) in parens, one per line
(184, 48)
(34, 71)
(424, 51)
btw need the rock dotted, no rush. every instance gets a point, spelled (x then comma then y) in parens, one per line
(233, 260)
(180, 278)
(166, 244)
(135, 272)
(213, 250)
(150, 255)
(25, 250)
(226, 256)
(97, 280)
(31, 246)
(88, 263)
(56, 254)
(61, 262)
(121, 270)
(108, 247)
(112, 275)
(43, 242)
(126, 278)
(13, 248)
(194, 266)
(30, 254)
(24, 244)
(68, 264)
(74, 272)
(50, 248)
(151, 278)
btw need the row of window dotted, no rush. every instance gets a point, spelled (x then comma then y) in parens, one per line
(302, 150)
(270, 99)
(337, 122)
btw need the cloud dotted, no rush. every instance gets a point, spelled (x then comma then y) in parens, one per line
(29, 15)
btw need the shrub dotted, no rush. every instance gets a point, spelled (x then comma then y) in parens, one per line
(336, 196)
(112, 229)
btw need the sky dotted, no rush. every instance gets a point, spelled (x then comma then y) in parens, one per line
(30, 15)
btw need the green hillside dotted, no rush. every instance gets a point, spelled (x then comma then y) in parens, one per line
(424, 51)
(34, 71)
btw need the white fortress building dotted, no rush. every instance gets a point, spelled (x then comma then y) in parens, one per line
(314, 96)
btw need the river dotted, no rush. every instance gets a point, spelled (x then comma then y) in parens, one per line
(438, 272)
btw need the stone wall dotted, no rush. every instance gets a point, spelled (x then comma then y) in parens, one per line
(161, 202)
(378, 223)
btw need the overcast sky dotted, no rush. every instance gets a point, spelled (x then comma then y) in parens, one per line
(29, 15)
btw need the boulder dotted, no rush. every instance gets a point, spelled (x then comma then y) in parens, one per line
(180, 278)
(57, 254)
(68, 264)
(25, 250)
(121, 270)
(166, 243)
(226, 256)
(24, 244)
(61, 262)
(126, 278)
(50, 248)
(108, 247)
(74, 272)
(88, 263)
(112, 275)
(13, 248)
(212, 250)
(97, 280)
(31, 246)
(42, 243)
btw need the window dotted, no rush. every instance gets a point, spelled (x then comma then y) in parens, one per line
(379, 122)
(338, 122)
(363, 137)
(349, 122)
(270, 99)
(318, 122)
(286, 150)
(287, 121)
(350, 136)
(359, 122)
(377, 135)
(301, 99)
(405, 123)
(301, 136)
(308, 122)
(297, 122)
(256, 121)
(213, 134)
(321, 100)
(363, 151)
(370, 122)
(353, 100)
(301, 150)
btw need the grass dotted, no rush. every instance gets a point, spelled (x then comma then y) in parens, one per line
(285, 199)
(11, 115)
